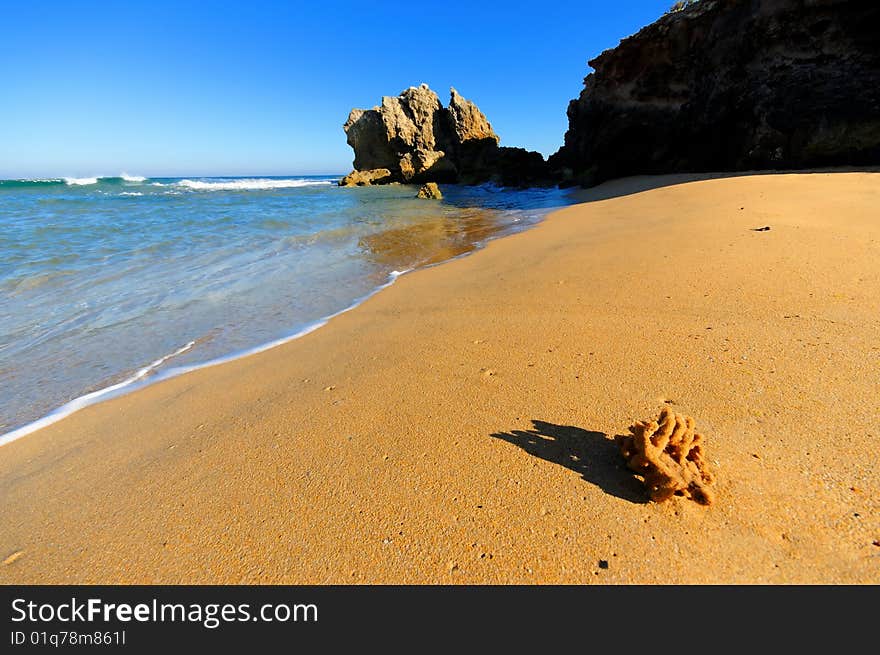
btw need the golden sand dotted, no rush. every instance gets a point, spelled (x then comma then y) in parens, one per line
(458, 427)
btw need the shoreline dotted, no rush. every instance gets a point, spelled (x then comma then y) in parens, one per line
(310, 461)
(141, 376)
(138, 381)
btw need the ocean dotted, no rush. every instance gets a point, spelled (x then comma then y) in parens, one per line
(109, 283)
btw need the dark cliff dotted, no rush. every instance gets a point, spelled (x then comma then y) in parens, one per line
(728, 85)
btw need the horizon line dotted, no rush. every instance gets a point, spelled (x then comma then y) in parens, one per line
(166, 176)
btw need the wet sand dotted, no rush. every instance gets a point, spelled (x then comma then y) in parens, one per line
(457, 427)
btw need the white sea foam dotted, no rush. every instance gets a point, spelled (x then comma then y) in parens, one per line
(133, 178)
(90, 398)
(131, 193)
(139, 378)
(80, 181)
(251, 184)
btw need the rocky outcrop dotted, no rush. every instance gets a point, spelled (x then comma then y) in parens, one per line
(468, 122)
(726, 85)
(418, 140)
(430, 191)
(366, 178)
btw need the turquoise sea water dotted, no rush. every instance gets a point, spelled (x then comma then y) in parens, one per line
(112, 282)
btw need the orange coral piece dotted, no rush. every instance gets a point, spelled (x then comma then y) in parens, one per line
(669, 455)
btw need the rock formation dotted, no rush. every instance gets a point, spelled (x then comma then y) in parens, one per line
(725, 85)
(669, 455)
(430, 191)
(417, 140)
(366, 178)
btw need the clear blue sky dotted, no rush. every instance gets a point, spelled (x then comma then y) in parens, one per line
(259, 87)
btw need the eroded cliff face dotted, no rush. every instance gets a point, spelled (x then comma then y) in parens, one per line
(729, 85)
(412, 138)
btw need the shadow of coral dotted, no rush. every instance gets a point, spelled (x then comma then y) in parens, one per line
(593, 455)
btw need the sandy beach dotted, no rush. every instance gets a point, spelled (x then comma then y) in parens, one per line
(458, 426)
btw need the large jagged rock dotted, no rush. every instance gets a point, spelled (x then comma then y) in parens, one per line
(418, 140)
(725, 85)
(468, 122)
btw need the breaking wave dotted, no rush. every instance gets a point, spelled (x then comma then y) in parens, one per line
(250, 184)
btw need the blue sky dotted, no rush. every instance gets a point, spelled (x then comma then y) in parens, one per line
(262, 88)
